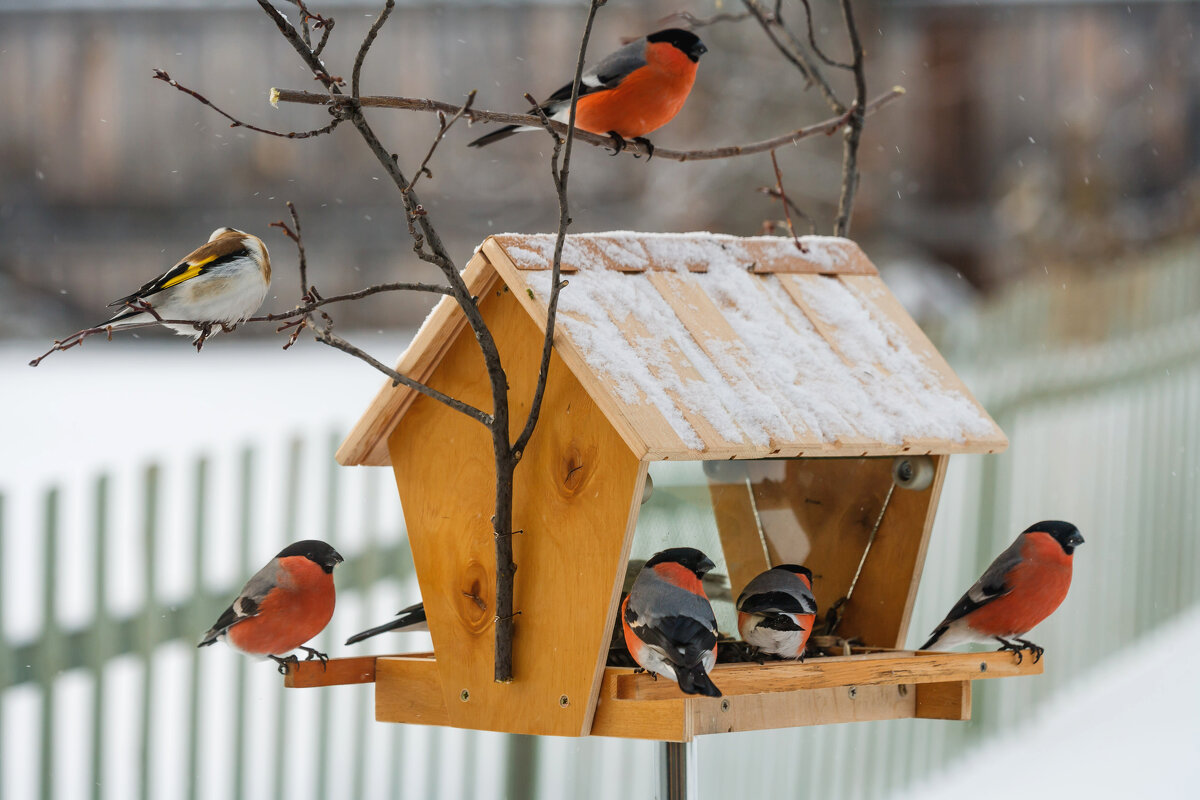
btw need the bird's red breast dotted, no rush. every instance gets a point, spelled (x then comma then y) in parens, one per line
(296, 610)
(648, 98)
(1039, 585)
(632, 642)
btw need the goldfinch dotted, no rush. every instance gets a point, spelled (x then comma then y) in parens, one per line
(219, 283)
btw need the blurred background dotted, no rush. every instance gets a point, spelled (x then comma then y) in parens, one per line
(1034, 201)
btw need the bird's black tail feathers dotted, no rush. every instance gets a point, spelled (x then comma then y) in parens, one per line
(937, 634)
(494, 136)
(696, 681)
(410, 617)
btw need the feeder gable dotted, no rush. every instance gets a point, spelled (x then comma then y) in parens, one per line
(701, 346)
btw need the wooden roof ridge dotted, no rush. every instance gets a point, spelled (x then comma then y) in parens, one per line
(705, 346)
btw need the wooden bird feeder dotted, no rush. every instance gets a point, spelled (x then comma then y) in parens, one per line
(732, 394)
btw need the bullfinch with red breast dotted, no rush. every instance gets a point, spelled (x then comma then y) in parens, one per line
(630, 93)
(669, 625)
(407, 619)
(777, 611)
(286, 603)
(1023, 586)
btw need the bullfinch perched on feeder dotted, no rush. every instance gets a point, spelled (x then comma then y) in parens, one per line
(222, 282)
(407, 619)
(669, 625)
(632, 92)
(1023, 586)
(286, 603)
(777, 611)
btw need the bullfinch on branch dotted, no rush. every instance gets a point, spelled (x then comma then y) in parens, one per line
(669, 625)
(631, 93)
(1023, 586)
(407, 619)
(777, 611)
(222, 282)
(286, 603)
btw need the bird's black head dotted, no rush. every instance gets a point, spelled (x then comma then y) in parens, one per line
(688, 557)
(1066, 534)
(687, 42)
(314, 550)
(796, 569)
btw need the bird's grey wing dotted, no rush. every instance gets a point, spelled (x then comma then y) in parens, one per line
(991, 584)
(605, 75)
(247, 603)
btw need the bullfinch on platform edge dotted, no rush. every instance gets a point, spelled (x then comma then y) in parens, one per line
(669, 625)
(1023, 586)
(286, 603)
(222, 282)
(407, 619)
(632, 92)
(777, 611)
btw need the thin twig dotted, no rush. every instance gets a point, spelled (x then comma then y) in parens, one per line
(297, 237)
(812, 41)
(693, 22)
(444, 124)
(854, 129)
(367, 41)
(795, 54)
(787, 212)
(326, 336)
(827, 127)
(234, 122)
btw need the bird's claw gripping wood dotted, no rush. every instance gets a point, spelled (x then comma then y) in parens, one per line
(1037, 650)
(284, 662)
(618, 143)
(317, 654)
(1012, 647)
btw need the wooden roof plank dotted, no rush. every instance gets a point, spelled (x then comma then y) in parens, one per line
(882, 302)
(863, 322)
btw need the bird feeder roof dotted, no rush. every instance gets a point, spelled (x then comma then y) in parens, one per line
(701, 346)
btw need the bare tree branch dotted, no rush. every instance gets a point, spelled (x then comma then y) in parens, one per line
(326, 336)
(787, 203)
(827, 127)
(794, 53)
(812, 40)
(295, 236)
(854, 129)
(444, 125)
(237, 123)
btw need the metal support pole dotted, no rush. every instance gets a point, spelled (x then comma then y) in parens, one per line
(678, 772)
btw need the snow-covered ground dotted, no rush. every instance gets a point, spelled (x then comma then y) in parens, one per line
(1131, 729)
(132, 400)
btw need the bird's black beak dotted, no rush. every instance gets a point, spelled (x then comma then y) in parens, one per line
(1075, 539)
(335, 559)
(697, 50)
(706, 565)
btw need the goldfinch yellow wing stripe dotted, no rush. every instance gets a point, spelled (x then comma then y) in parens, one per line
(193, 269)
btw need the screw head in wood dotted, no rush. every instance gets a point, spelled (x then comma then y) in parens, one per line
(464, 695)
(564, 701)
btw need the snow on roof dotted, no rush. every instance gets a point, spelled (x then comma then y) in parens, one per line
(702, 346)
(748, 344)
